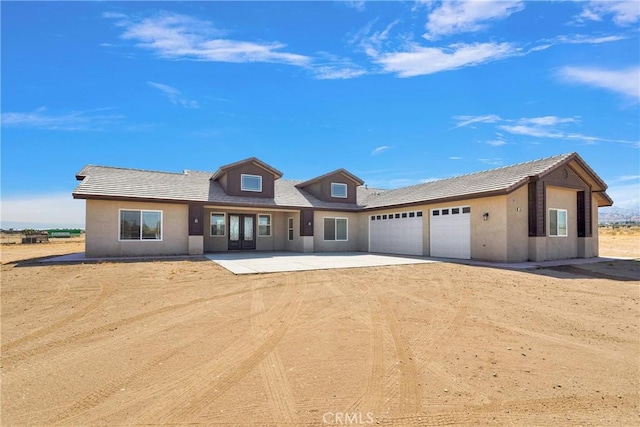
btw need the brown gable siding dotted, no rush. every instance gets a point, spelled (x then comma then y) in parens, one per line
(231, 181)
(566, 177)
(322, 189)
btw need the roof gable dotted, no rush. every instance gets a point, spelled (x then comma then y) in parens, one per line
(357, 181)
(251, 160)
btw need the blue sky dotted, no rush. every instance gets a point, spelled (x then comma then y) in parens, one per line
(395, 92)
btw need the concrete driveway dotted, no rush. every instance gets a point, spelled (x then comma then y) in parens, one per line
(271, 262)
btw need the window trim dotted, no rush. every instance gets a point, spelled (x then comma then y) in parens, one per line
(566, 223)
(290, 229)
(224, 229)
(141, 211)
(335, 231)
(269, 225)
(340, 184)
(242, 188)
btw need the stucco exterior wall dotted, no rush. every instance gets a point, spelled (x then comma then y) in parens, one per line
(517, 205)
(595, 243)
(353, 226)
(562, 247)
(103, 219)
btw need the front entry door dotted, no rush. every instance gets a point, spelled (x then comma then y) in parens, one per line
(242, 232)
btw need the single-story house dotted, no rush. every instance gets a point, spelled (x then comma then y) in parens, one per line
(539, 210)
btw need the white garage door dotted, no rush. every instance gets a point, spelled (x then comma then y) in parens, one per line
(450, 232)
(396, 233)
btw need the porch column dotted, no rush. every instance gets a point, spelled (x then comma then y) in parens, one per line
(306, 229)
(196, 229)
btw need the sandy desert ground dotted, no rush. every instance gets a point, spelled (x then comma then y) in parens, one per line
(186, 342)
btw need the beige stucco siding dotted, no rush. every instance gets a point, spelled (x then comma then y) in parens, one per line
(595, 244)
(353, 226)
(558, 247)
(103, 219)
(517, 205)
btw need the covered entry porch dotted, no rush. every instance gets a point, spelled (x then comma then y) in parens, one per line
(249, 229)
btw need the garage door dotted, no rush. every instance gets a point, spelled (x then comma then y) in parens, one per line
(396, 233)
(450, 232)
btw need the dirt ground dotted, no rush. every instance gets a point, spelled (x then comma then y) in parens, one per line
(186, 342)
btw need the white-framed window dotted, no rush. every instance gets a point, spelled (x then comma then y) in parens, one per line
(336, 229)
(137, 224)
(558, 222)
(290, 228)
(264, 225)
(251, 183)
(218, 224)
(339, 190)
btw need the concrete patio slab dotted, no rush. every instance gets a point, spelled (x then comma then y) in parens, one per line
(275, 262)
(271, 262)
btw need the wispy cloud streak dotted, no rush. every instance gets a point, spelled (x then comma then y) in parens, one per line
(175, 96)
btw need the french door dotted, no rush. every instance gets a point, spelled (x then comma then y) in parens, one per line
(242, 232)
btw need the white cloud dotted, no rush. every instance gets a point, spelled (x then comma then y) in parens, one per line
(380, 149)
(175, 96)
(176, 36)
(428, 60)
(625, 196)
(455, 158)
(628, 178)
(469, 120)
(534, 131)
(73, 121)
(586, 39)
(496, 142)
(452, 17)
(496, 161)
(355, 4)
(548, 120)
(625, 82)
(336, 73)
(624, 13)
(550, 127)
(27, 211)
(331, 67)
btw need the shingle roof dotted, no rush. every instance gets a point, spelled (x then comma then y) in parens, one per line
(190, 186)
(502, 179)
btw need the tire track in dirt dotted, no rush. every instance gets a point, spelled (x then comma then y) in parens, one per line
(373, 397)
(410, 392)
(105, 292)
(272, 370)
(211, 379)
(97, 397)
(556, 405)
(114, 325)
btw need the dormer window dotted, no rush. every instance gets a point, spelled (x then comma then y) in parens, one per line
(339, 190)
(251, 183)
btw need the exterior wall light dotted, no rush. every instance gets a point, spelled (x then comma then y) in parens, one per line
(485, 216)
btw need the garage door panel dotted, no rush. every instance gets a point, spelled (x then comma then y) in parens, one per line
(450, 234)
(396, 236)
